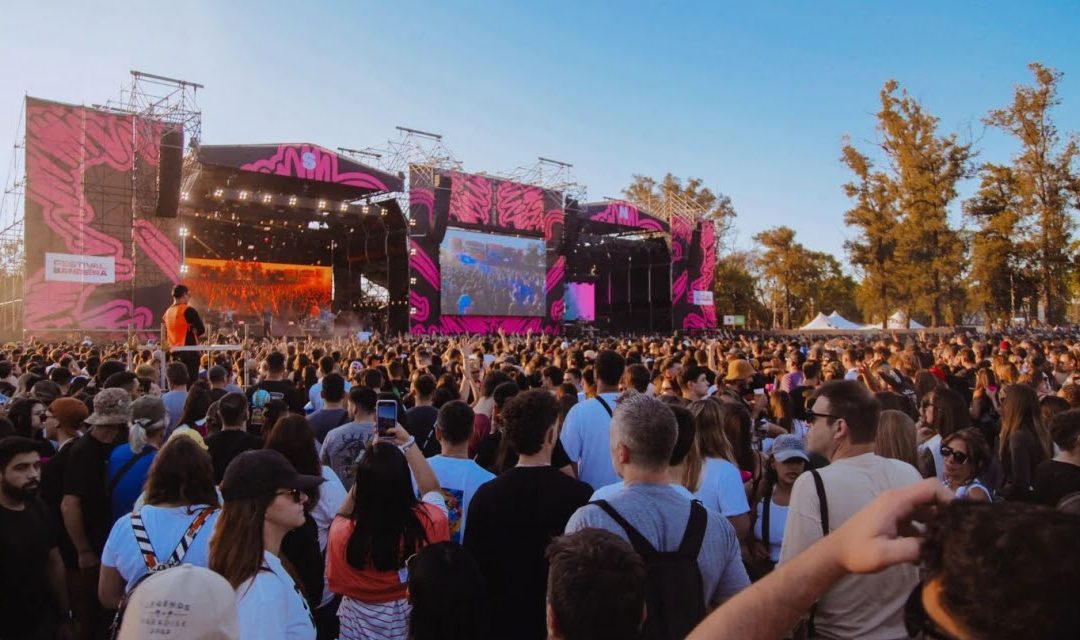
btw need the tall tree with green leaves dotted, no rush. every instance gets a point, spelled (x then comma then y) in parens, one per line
(668, 193)
(1043, 188)
(902, 212)
(737, 290)
(873, 252)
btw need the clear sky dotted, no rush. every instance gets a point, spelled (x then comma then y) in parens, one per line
(752, 97)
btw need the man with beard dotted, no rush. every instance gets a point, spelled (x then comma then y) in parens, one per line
(33, 596)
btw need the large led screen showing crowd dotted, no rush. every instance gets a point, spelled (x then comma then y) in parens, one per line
(485, 274)
(291, 292)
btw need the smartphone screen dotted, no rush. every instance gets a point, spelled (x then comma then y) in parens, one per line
(386, 416)
(759, 391)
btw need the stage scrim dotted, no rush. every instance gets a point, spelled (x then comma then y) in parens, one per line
(291, 292)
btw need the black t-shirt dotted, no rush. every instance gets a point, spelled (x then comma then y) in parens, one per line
(487, 453)
(1054, 480)
(512, 519)
(87, 477)
(420, 423)
(52, 494)
(323, 420)
(226, 445)
(218, 394)
(278, 390)
(301, 548)
(26, 537)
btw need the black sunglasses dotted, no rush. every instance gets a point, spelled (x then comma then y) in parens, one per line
(917, 621)
(812, 416)
(959, 456)
(297, 494)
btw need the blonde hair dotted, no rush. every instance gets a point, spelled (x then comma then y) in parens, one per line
(896, 437)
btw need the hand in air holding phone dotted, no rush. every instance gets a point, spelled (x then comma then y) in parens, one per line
(397, 435)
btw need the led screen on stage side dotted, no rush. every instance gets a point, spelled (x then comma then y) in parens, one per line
(291, 292)
(581, 301)
(485, 274)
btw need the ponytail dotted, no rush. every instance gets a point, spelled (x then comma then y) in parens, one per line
(140, 428)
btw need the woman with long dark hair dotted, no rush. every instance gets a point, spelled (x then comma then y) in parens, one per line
(379, 527)
(786, 462)
(180, 498)
(196, 405)
(305, 547)
(712, 474)
(264, 499)
(1024, 443)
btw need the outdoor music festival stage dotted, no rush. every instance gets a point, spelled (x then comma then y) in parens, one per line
(120, 207)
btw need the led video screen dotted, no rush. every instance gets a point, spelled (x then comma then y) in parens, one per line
(580, 301)
(291, 292)
(486, 274)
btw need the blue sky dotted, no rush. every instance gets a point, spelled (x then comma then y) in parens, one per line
(752, 97)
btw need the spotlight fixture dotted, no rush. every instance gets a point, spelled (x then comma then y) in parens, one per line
(218, 193)
(344, 206)
(184, 196)
(366, 209)
(183, 232)
(267, 198)
(322, 204)
(243, 195)
(292, 201)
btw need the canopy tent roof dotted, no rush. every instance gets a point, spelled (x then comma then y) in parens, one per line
(840, 322)
(819, 323)
(896, 321)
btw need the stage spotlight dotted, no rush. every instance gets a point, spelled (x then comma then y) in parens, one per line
(251, 247)
(322, 204)
(292, 201)
(183, 268)
(243, 195)
(267, 199)
(344, 206)
(219, 193)
(366, 209)
(183, 232)
(184, 196)
(412, 280)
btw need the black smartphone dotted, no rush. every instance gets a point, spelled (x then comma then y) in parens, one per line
(385, 416)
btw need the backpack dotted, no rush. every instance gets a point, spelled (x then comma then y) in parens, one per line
(675, 590)
(176, 558)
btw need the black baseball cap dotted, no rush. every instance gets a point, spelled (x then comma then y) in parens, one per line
(261, 472)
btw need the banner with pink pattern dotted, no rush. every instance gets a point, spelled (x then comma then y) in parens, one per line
(91, 193)
(486, 204)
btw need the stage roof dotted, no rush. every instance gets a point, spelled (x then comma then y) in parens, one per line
(618, 216)
(317, 170)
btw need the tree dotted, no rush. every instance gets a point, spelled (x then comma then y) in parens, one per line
(737, 292)
(671, 194)
(1040, 189)
(903, 213)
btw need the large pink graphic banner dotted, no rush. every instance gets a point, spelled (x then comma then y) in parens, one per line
(91, 190)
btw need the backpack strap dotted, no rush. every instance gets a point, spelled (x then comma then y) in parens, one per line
(607, 407)
(146, 450)
(189, 536)
(177, 556)
(641, 545)
(823, 502)
(695, 530)
(766, 507)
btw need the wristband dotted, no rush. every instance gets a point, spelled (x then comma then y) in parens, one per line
(408, 444)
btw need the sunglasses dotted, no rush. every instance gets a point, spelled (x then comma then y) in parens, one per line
(917, 621)
(959, 456)
(812, 416)
(297, 495)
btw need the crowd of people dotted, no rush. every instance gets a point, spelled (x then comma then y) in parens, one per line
(654, 487)
(477, 289)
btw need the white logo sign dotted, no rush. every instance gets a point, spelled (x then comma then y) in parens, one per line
(66, 267)
(308, 160)
(702, 297)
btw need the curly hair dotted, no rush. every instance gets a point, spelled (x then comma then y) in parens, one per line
(1006, 570)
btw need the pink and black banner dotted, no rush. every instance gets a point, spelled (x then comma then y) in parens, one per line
(97, 258)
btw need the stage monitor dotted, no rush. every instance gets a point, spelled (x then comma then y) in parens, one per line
(487, 274)
(290, 292)
(580, 301)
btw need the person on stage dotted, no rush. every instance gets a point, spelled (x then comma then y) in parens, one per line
(184, 327)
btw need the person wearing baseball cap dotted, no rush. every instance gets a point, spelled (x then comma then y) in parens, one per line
(263, 499)
(191, 603)
(787, 461)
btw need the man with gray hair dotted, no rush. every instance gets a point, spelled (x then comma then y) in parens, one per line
(663, 524)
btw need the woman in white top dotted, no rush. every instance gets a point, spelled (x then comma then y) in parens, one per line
(965, 455)
(787, 462)
(180, 501)
(264, 499)
(711, 473)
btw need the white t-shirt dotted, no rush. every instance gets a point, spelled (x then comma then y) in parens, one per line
(459, 479)
(777, 518)
(269, 606)
(164, 527)
(586, 437)
(934, 445)
(869, 606)
(331, 496)
(722, 488)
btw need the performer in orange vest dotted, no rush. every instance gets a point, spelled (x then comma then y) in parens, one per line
(184, 327)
